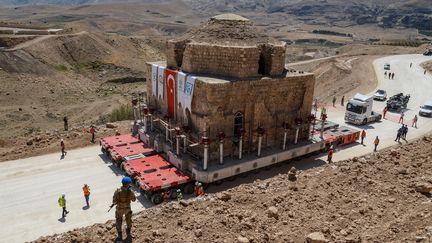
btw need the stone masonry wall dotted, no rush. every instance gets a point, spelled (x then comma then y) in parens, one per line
(267, 103)
(240, 62)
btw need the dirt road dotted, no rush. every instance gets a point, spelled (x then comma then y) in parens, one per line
(30, 187)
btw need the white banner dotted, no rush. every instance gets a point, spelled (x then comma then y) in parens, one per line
(154, 78)
(188, 93)
(181, 80)
(161, 82)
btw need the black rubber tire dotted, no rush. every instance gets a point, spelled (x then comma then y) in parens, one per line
(364, 121)
(232, 178)
(205, 185)
(157, 198)
(189, 188)
(219, 182)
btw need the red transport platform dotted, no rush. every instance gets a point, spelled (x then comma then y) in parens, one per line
(139, 167)
(155, 176)
(119, 153)
(109, 142)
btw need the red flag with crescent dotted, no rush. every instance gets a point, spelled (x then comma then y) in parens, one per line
(170, 90)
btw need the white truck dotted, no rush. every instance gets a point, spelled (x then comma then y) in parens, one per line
(359, 110)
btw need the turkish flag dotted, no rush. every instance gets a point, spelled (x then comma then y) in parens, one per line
(170, 90)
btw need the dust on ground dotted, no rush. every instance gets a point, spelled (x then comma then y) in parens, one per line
(381, 197)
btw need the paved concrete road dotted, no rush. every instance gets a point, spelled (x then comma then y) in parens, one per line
(407, 80)
(30, 187)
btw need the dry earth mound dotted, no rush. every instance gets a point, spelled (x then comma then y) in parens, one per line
(384, 197)
(83, 76)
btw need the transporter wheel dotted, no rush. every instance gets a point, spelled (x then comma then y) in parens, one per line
(157, 198)
(244, 174)
(219, 182)
(364, 121)
(122, 167)
(205, 185)
(188, 188)
(232, 178)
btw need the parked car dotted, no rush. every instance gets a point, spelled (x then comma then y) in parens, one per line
(380, 95)
(386, 66)
(426, 109)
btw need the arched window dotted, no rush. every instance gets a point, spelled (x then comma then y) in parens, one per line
(238, 123)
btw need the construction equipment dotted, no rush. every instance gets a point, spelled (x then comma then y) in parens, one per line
(398, 102)
(359, 110)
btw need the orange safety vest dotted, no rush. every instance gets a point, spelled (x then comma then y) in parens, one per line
(86, 191)
(376, 142)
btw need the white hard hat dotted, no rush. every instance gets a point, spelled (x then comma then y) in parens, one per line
(63, 194)
(199, 184)
(61, 139)
(178, 190)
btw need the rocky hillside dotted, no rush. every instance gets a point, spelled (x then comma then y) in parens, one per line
(385, 13)
(382, 197)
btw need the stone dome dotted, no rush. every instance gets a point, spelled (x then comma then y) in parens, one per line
(227, 45)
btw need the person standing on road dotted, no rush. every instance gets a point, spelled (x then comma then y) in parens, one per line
(392, 75)
(62, 204)
(65, 123)
(92, 131)
(363, 135)
(179, 195)
(385, 112)
(86, 190)
(334, 101)
(122, 198)
(376, 142)
(62, 145)
(410, 65)
(414, 123)
(401, 117)
(399, 134)
(385, 74)
(330, 154)
(343, 100)
(404, 131)
(389, 75)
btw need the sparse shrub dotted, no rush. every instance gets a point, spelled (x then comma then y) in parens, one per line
(124, 112)
(61, 67)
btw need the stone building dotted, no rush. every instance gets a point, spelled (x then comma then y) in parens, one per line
(241, 88)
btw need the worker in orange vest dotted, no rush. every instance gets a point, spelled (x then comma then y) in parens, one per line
(385, 112)
(363, 135)
(86, 190)
(376, 142)
(92, 131)
(199, 191)
(330, 154)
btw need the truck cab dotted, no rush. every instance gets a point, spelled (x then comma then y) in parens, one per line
(359, 110)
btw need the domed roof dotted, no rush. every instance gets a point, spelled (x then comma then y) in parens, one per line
(229, 30)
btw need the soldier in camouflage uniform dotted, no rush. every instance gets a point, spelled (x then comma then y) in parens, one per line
(122, 198)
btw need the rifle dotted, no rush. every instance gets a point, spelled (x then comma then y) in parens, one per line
(112, 205)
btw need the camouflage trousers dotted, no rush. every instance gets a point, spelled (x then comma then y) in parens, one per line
(127, 212)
